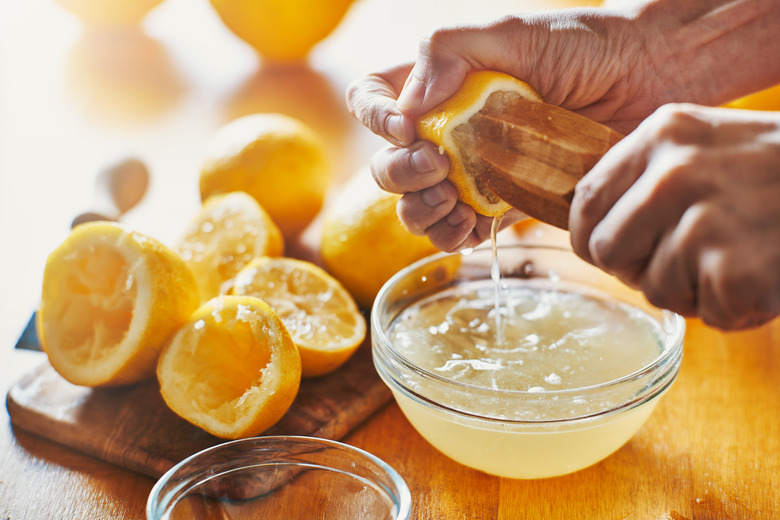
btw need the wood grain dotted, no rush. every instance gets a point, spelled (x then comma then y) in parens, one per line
(534, 154)
(133, 427)
(710, 451)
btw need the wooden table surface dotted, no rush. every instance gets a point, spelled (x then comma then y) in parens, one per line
(72, 99)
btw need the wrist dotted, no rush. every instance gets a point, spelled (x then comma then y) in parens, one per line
(710, 51)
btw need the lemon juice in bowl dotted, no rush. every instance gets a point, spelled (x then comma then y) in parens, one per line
(569, 373)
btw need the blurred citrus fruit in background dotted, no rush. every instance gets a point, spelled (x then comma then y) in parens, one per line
(101, 12)
(768, 99)
(277, 159)
(306, 94)
(281, 29)
(363, 241)
(123, 75)
(447, 126)
(110, 299)
(232, 369)
(229, 231)
(319, 313)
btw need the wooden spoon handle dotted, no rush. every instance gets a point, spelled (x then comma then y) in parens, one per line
(118, 188)
(534, 154)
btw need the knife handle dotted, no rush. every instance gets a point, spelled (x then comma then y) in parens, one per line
(535, 153)
(118, 188)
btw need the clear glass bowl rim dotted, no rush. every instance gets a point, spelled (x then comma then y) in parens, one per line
(671, 354)
(158, 504)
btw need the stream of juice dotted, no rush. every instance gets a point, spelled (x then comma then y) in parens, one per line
(533, 336)
(495, 275)
(524, 335)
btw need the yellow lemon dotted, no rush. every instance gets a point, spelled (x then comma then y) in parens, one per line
(227, 234)
(101, 12)
(232, 369)
(111, 298)
(317, 310)
(281, 29)
(277, 159)
(767, 99)
(363, 242)
(447, 126)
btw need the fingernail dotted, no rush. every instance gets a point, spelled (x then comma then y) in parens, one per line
(412, 95)
(422, 162)
(433, 196)
(395, 128)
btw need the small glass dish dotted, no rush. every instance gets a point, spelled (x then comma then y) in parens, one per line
(525, 431)
(289, 477)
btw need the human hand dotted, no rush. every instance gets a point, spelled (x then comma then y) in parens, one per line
(588, 61)
(687, 209)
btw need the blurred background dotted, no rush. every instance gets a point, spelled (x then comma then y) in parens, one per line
(84, 83)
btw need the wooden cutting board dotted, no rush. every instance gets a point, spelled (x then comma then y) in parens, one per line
(133, 427)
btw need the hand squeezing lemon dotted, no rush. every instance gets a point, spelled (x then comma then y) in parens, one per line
(230, 325)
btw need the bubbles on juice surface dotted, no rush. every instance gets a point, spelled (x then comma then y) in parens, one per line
(550, 339)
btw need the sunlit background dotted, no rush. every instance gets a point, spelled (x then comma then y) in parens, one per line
(79, 90)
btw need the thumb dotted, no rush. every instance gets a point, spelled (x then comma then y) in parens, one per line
(443, 61)
(431, 81)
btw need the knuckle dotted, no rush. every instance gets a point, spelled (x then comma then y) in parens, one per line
(584, 203)
(441, 43)
(682, 302)
(657, 295)
(353, 96)
(445, 241)
(437, 40)
(604, 250)
(736, 294)
(698, 228)
(672, 115)
(455, 229)
(373, 116)
(371, 102)
(678, 179)
(678, 123)
(751, 283)
(382, 171)
(359, 98)
(394, 168)
(407, 215)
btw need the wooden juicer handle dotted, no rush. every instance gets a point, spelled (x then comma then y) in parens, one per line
(534, 154)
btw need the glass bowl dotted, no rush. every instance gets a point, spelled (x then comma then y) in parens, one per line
(538, 431)
(288, 477)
